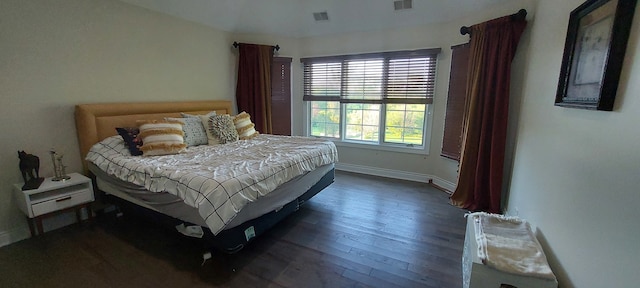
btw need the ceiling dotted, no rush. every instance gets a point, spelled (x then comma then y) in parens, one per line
(294, 18)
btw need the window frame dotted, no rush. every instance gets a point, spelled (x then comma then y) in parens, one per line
(391, 147)
(381, 143)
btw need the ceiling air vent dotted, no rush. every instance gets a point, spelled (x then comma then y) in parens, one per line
(402, 5)
(321, 16)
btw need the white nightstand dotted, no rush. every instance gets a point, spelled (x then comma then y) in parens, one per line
(53, 197)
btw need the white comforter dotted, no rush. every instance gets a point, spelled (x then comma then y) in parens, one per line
(217, 180)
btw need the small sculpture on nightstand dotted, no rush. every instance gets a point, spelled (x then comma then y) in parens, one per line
(29, 166)
(58, 167)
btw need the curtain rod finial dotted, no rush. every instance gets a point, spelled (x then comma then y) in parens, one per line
(464, 30)
(521, 14)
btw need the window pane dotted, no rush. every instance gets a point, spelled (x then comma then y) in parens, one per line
(354, 132)
(414, 119)
(393, 134)
(333, 130)
(363, 122)
(405, 123)
(370, 133)
(325, 117)
(371, 117)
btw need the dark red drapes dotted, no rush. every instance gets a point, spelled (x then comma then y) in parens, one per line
(493, 46)
(253, 89)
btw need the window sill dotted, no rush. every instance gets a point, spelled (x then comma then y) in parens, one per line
(399, 149)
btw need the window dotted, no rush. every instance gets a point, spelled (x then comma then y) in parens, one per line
(374, 98)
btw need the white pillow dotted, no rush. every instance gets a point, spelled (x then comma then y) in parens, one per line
(194, 132)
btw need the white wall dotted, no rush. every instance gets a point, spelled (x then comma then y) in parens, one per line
(576, 173)
(55, 54)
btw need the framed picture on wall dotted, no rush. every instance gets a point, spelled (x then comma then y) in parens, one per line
(593, 54)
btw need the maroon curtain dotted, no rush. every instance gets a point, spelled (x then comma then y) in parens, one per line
(493, 46)
(253, 89)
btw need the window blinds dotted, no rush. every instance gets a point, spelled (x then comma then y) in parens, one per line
(406, 77)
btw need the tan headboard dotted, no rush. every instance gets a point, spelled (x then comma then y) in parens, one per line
(95, 122)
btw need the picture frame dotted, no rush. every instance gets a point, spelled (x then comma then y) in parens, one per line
(594, 53)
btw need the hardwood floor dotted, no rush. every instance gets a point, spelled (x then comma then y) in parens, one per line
(361, 231)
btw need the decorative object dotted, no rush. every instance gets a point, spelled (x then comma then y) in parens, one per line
(131, 139)
(211, 139)
(222, 128)
(161, 137)
(244, 126)
(58, 168)
(593, 54)
(29, 166)
(194, 133)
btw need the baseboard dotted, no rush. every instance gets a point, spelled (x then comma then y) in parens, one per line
(443, 185)
(382, 172)
(14, 235)
(438, 182)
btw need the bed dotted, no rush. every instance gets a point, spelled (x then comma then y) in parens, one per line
(227, 194)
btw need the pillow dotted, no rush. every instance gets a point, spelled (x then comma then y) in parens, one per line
(186, 115)
(194, 133)
(244, 126)
(222, 127)
(211, 139)
(161, 137)
(131, 139)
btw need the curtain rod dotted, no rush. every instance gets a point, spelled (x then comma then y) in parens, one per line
(520, 15)
(236, 44)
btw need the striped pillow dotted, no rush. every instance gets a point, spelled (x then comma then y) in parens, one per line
(244, 126)
(161, 137)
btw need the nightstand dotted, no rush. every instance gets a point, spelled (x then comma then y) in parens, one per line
(54, 197)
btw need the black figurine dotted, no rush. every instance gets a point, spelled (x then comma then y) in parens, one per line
(29, 165)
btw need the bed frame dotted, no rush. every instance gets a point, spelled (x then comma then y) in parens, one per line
(95, 122)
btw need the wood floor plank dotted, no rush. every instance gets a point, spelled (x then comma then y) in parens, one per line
(361, 231)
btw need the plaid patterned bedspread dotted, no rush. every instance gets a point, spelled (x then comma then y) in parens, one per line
(217, 180)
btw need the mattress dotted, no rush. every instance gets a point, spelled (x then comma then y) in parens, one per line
(219, 181)
(171, 205)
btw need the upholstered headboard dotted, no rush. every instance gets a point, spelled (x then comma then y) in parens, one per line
(95, 122)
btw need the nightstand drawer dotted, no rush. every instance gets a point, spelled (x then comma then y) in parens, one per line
(62, 202)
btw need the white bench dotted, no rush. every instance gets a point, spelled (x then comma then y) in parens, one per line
(475, 274)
